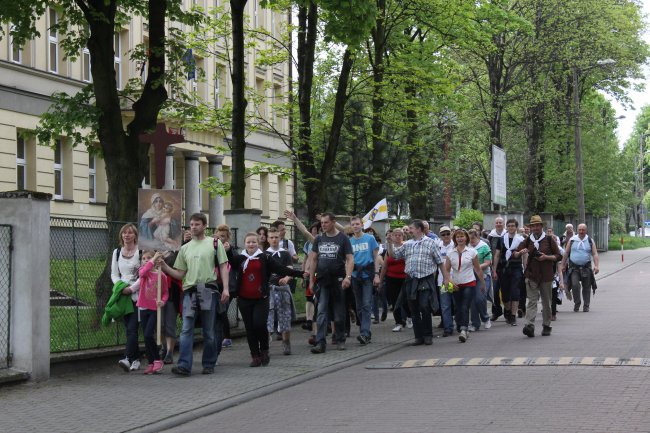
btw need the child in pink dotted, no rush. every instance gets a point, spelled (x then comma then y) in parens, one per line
(148, 305)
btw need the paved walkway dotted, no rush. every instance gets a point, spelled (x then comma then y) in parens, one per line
(103, 398)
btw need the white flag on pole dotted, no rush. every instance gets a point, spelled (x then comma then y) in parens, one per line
(377, 213)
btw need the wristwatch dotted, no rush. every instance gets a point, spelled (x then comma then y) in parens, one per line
(348, 276)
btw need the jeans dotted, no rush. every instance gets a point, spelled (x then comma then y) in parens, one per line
(131, 328)
(255, 313)
(464, 298)
(478, 309)
(362, 289)
(331, 306)
(379, 296)
(447, 307)
(421, 309)
(186, 344)
(148, 320)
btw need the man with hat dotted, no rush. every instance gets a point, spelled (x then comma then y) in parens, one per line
(446, 298)
(543, 251)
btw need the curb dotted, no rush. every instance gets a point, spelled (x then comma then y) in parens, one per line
(219, 406)
(602, 277)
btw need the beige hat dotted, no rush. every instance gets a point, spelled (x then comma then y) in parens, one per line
(536, 219)
(444, 229)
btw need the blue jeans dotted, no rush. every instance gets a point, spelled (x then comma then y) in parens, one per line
(478, 310)
(362, 290)
(377, 297)
(331, 306)
(464, 298)
(446, 306)
(186, 344)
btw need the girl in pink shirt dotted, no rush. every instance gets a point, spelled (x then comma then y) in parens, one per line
(148, 305)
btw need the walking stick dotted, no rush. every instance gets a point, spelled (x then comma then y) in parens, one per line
(158, 317)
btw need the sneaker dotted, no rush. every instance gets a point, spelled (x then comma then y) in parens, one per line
(397, 328)
(286, 348)
(363, 339)
(471, 328)
(319, 348)
(124, 364)
(149, 369)
(529, 331)
(409, 323)
(495, 317)
(157, 366)
(488, 324)
(340, 346)
(384, 314)
(307, 325)
(513, 321)
(585, 309)
(546, 331)
(180, 371)
(169, 358)
(207, 370)
(227, 342)
(463, 336)
(135, 365)
(375, 321)
(576, 308)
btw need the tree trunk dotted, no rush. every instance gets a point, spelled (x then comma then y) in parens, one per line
(534, 125)
(418, 166)
(238, 145)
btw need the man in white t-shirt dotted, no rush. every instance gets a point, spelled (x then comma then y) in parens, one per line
(446, 299)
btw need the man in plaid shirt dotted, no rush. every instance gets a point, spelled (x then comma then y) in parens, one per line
(422, 260)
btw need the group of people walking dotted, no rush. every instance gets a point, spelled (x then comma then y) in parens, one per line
(348, 272)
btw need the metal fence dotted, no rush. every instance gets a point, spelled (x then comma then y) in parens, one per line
(6, 247)
(598, 229)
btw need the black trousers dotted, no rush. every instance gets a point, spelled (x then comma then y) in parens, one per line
(254, 313)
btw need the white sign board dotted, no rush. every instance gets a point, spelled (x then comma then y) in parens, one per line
(499, 194)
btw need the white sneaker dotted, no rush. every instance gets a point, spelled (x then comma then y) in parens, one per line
(471, 328)
(397, 328)
(409, 322)
(463, 336)
(135, 365)
(488, 324)
(124, 364)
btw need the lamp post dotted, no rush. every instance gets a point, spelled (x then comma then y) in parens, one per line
(580, 187)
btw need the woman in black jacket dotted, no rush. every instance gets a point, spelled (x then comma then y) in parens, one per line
(249, 274)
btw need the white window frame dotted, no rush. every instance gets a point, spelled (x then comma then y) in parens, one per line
(92, 178)
(53, 41)
(12, 49)
(85, 56)
(21, 162)
(256, 18)
(273, 23)
(117, 59)
(58, 167)
(217, 88)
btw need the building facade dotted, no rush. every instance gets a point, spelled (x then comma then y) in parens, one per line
(29, 74)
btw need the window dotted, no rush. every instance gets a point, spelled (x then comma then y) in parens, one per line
(53, 42)
(117, 46)
(264, 186)
(261, 91)
(21, 164)
(282, 193)
(256, 13)
(92, 178)
(273, 23)
(86, 75)
(277, 100)
(217, 88)
(58, 170)
(16, 50)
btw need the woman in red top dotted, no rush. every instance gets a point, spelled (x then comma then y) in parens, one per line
(251, 271)
(393, 276)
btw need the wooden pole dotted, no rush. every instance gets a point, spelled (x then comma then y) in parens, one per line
(158, 315)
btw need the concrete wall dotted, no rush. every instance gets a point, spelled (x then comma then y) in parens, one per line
(29, 215)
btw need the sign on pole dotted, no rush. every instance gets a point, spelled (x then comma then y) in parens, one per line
(499, 193)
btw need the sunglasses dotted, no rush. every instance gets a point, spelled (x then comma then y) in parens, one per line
(445, 234)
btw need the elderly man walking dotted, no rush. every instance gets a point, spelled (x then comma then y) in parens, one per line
(580, 251)
(543, 251)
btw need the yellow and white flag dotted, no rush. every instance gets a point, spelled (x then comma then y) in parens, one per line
(377, 213)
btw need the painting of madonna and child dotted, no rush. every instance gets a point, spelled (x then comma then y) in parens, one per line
(159, 216)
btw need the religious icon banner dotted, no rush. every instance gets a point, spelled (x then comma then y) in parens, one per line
(159, 219)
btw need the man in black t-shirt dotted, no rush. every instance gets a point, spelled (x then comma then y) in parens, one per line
(331, 264)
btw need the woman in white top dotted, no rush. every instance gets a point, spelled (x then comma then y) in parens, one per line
(125, 265)
(462, 265)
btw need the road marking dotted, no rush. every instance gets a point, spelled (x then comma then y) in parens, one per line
(586, 361)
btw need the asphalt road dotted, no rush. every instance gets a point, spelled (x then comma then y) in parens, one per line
(540, 398)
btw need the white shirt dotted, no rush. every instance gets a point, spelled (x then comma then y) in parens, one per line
(462, 268)
(444, 251)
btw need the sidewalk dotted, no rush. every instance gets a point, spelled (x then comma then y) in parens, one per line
(104, 398)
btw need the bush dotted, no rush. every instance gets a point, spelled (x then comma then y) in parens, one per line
(629, 242)
(466, 217)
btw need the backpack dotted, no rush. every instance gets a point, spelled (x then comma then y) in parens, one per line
(116, 255)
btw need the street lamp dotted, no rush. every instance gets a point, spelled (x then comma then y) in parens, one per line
(580, 187)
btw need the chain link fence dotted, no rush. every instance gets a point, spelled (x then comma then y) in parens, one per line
(6, 247)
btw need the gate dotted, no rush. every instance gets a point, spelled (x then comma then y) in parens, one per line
(6, 247)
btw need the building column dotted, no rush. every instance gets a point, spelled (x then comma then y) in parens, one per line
(216, 202)
(192, 175)
(169, 168)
